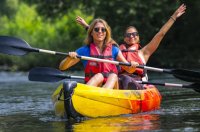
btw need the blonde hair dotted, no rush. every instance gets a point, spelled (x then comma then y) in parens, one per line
(89, 38)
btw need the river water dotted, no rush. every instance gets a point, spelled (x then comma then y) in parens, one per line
(26, 106)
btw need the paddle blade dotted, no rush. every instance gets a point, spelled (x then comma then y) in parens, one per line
(187, 75)
(45, 74)
(196, 87)
(13, 46)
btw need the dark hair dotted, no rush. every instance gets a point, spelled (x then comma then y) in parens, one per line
(129, 28)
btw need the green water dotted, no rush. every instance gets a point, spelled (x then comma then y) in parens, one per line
(26, 106)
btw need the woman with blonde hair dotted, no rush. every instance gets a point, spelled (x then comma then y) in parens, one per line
(132, 50)
(99, 44)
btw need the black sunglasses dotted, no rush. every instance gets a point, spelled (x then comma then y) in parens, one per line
(129, 34)
(98, 28)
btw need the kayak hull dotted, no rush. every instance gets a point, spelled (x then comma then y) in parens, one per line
(74, 99)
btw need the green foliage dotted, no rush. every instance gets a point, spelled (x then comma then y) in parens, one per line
(148, 17)
(50, 24)
(59, 34)
(8, 7)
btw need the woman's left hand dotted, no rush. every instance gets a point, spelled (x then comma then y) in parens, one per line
(180, 11)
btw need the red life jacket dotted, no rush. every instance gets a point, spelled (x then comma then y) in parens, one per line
(131, 54)
(93, 67)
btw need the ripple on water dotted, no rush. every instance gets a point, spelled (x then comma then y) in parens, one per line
(13, 76)
(25, 104)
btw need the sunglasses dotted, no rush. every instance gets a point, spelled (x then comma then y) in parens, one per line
(102, 29)
(129, 34)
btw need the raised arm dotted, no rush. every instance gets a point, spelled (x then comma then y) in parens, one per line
(82, 22)
(150, 48)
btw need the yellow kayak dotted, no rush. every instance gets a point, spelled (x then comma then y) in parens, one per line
(72, 99)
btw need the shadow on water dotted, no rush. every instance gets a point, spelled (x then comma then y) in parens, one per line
(26, 106)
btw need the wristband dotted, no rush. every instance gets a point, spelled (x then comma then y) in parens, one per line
(172, 18)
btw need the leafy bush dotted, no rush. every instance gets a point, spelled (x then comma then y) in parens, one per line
(59, 34)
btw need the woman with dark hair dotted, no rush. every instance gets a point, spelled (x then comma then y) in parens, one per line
(132, 50)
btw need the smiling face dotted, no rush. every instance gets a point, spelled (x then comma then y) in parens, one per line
(99, 32)
(131, 36)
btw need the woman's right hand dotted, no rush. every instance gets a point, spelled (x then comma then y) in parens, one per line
(133, 67)
(134, 64)
(73, 55)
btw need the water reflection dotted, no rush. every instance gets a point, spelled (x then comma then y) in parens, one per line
(136, 122)
(26, 106)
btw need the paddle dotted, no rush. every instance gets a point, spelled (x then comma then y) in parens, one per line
(15, 46)
(45, 74)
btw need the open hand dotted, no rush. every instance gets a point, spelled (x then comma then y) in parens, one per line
(179, 11)
(81, 21)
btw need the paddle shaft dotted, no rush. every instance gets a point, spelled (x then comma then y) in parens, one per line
(166, 84)
(100, 60)
(53, 75)
(16, 46)
(63, 76)
(169, 71)
(93, 59)
(155, 69)
(66, 54)
(42, 51)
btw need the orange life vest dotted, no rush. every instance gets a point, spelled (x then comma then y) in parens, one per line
(93, 67)
(131, 54)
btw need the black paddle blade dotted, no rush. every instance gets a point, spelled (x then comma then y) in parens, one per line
(13, 46)
(187, 75)
(45, 74)
(196, 87)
